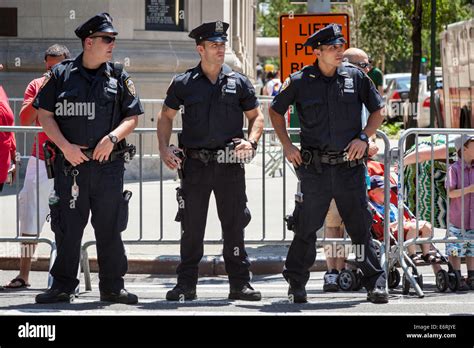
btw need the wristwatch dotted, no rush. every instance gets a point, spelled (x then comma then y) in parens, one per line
(364, 137)
(113, 138)
(254, 144)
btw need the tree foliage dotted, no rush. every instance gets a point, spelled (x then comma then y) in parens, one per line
(268, 15)
(386, 29)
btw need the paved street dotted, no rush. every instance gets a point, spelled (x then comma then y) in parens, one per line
(212, 299)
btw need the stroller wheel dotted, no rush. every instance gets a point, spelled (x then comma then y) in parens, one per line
(347, 280)
(405, 285)
(442, 280)
(358, 276)
(453, 281)
(393, 278)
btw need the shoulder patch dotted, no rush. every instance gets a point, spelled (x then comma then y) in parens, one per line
(285, 84)
(131, 86)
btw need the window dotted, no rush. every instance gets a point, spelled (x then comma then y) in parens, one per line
(8, 21)
(164, 15)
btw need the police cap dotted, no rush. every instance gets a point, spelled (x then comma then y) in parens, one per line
(101, 22)
(329, 35)
(212, 31)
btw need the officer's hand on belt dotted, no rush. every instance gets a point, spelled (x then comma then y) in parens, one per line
(103, 149)
(169, 158)
(356, 149)
(244, 149)
(293, 154)
(74, 155)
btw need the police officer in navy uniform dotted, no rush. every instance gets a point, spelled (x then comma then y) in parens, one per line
(214, 99)
(329, 98)
(87, 108)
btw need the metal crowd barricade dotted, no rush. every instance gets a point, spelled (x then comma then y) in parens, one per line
(141, 132)
(401, 198)
(384, 247)
(267, 141)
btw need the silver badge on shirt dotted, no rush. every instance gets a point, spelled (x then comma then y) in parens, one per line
(348, 85)
(231, 86)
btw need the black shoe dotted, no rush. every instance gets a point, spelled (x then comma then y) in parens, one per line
(245, 293)
(297, 293)
(181, 292)
(123, 296)
(377, 295)
(53, 296)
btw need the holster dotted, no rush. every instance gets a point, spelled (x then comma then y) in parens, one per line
(49, 158)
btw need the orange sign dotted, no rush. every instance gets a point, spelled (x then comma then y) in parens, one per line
(295, 29)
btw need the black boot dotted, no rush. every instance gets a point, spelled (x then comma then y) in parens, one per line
(123, 296)
(244, 292)
(53, 296)
(297, 293)
(181, 292)
(378, 294)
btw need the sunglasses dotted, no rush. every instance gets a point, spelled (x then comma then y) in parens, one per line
(105, 38)
(362, 65)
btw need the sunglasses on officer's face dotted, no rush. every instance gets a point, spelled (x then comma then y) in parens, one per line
(105, 38)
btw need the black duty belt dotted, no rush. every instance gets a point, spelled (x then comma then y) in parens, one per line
(316, 158)
(126, 153)
(203, 155)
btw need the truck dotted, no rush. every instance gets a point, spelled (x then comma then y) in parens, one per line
(456, 102)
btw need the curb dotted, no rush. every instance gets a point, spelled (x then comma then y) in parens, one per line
(209, 265)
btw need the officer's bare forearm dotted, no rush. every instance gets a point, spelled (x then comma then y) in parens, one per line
(374, 122)
(126, 127)
(164, 126)
(256, 120)
(279, 124)
(28, 114)
(51, 129)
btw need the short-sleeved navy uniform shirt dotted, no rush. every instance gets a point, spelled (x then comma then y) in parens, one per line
(83, 104)
(329, 108)
(213, 113)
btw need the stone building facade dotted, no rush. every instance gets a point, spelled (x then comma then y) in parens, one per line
(151, 56)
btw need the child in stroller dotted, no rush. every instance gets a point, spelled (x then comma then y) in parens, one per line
(430, 255)
(376, 202)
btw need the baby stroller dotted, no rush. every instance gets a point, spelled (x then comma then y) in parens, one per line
(444, 279)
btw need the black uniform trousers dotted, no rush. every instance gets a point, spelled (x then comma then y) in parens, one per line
(100, 191)
(227, 181)
(348, 187)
